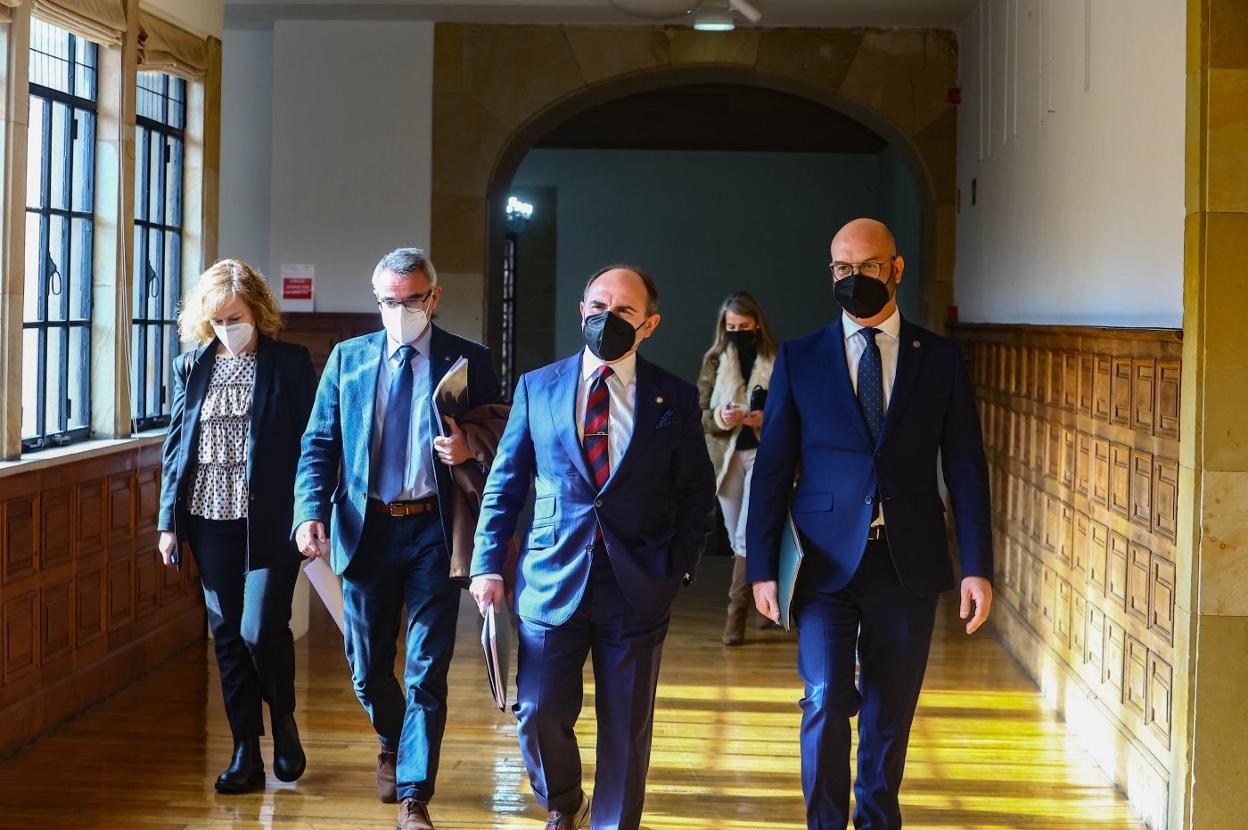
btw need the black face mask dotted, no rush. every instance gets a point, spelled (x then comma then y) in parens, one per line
(609, 336)
(862, 297)
(744, 340)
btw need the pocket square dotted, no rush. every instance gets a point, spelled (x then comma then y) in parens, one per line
(669, 418)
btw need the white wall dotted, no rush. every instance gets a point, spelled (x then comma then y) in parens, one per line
(1080, 204)
(204, 17)
(351, 150)
(246, 146)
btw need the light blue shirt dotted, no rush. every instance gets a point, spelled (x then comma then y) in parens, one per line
(418, 478)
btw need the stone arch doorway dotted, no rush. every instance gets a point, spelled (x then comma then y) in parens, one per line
(895, 83)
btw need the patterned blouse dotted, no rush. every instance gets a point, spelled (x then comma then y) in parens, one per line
(220, 491)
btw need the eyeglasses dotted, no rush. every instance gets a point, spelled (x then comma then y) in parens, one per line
(871, 268)
(414, 303)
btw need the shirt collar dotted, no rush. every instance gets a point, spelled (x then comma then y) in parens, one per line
(891, 326)
(625, 370)
(420, 344)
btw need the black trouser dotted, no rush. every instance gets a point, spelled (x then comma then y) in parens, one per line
(249, 614)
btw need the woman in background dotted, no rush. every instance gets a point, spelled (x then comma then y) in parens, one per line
(241, 401)
(731, 389)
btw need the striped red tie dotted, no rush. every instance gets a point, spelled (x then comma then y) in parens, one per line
(597, 425)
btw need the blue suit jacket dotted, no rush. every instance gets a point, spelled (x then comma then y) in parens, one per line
(812, 422)
(333, 479)
(655, 510)
(281, 400)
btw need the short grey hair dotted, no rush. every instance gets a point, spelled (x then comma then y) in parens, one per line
(404, 261)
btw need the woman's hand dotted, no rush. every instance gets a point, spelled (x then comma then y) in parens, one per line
(731, 414)
(754, 419)
(168, 547)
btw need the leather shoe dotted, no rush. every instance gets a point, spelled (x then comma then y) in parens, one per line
(569, 821)
(246, 771)
(289, 762)
(387, 759)
(414, 815)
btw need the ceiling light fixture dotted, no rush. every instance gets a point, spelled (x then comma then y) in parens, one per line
(714, 22)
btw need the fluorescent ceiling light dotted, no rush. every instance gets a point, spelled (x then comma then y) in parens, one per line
(713, 22)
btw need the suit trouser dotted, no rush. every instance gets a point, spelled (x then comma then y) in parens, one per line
(249, 615)
(403, 561)
(891, 632)
(626, 649)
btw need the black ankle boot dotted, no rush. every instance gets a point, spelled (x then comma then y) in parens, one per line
(289, 761)
(246, 772)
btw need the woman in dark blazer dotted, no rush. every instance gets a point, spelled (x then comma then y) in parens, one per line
(241, 401)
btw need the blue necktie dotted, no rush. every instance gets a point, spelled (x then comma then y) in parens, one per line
(871, 384)
(396, 430)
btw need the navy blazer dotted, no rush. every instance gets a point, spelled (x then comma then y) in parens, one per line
(812, 422)
(333, 480)
(281, 402)
(656, 509)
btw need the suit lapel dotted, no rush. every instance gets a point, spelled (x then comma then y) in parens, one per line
(909, 359)
(645, 417)
(563, 414)
(196, 389)
(843, 388)
(265, 358)
(358, 392)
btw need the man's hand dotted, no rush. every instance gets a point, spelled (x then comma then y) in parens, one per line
(168, 547)
(311, 540)
(731, 414)
(767, 599)
(452, 450)
(978, 590)
(754, 419)
(487, 591)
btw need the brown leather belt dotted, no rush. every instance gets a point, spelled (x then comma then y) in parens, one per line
(875, 533)
(402, 509)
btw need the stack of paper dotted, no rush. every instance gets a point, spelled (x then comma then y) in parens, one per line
(496, 642)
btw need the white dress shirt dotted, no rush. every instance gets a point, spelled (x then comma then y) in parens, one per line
(888, 341)
(418, 478)
(622, 387)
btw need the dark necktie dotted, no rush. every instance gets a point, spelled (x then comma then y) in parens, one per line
(871, 384)
(396, 430)
(597, 426)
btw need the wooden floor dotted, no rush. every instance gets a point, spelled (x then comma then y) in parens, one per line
(984, 752)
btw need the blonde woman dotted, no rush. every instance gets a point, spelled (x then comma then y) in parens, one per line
(241, 401)
(731, 388)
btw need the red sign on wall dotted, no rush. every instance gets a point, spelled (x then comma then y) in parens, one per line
(297, 288)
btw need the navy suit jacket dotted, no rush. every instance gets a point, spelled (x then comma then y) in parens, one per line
(333, 480)
(655, 509)
(812, 423)
(284, 387)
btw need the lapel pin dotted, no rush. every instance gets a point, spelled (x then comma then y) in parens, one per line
(915, 344)
(659, 399)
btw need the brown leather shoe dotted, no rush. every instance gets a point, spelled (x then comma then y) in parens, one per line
(569, 821)
(387, 759)
(414, 815)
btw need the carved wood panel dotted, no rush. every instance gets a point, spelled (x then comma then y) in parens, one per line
(1081, 428)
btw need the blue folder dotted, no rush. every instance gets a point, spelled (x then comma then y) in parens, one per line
(791, 555)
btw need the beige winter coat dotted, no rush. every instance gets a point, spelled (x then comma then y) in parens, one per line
(718, 383)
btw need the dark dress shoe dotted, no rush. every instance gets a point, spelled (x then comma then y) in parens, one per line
(246, 772)
(414, 815)
(387, 760)
(289, 762)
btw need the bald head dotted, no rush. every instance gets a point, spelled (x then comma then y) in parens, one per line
(862, 240)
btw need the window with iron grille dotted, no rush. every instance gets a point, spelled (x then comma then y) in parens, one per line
(60, 219)
(160, 135)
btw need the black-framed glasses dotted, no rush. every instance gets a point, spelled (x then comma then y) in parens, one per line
(871, 268)
(413, 303)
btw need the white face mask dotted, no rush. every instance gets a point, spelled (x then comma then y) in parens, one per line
(236, 337)
(403, 325)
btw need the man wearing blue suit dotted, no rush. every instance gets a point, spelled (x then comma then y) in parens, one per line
(376, 469)
(625, 494)
(863, 408)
